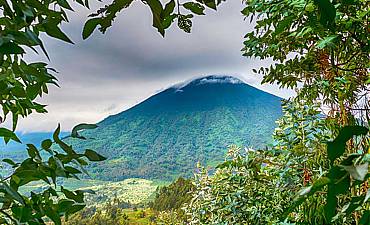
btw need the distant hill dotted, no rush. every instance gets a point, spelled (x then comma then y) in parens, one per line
(164, 136)
(17, 151)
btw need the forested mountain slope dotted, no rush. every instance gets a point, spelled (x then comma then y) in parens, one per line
(164, 136)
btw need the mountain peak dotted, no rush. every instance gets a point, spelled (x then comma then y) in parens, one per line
(165, 135)
(211, 79)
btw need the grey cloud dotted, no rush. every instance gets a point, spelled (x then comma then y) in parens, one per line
(109, 73)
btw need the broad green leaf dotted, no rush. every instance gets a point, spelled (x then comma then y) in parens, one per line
(194, 7)
(283, 25)
(52, 29)
(9, 190)
(74, 208)
(327, 13)
(93, 156)
(89, 27)
(156, 9)
(80, 127)
(365, 219)
(168, 9)
(46, 144)
(64, 4)
(10, 162)
(53, 215)
(328, 41)
(336, 148)
(11, 48)
(23, 214)
(8, 135)
(184, 23)
(340, 184)
(76, 196)
(64, 204)
(33, 152)
(209, 3)
(68, 149)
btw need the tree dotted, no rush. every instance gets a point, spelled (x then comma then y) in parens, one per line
(320, 47)
(21, 83)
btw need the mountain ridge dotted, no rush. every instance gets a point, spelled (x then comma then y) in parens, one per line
(165, 135)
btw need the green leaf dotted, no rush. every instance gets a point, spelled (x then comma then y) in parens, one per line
(168, 9)
(33, 152)
(52, 29)
(53, 215)
(327, 13)
(23, 214)
(10, 48)
(8, 135)
(72, 170)
(62, 144)
(336, 148)
(64, 205)
(74, 208)
(89, 191)
(282, 25)
(80, 127)
(14, 194)
(184, 23)
(10, 162)
(93, 156)
(76, 196)
(64, 4)
(194, 7)
(340, 184)
(328, 41)
(304, 193)
(46, 144)
(89, 27)
(156, 9)
(209, 3)
(365, 219)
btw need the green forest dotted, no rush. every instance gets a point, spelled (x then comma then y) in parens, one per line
(314, 169)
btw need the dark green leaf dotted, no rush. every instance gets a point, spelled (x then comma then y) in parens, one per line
(327, 12)
(156, 9)
(15, 195)
(82, 126)
(89, 27)
(8, 135)
(76, 196)
(46, 144)
(93, 156)
(64, 4)
(168, 9)
(328, 41)
(336, 148)
(10, 48)
(10, 162)
(194, 7)
(365, 219)
(52, 29)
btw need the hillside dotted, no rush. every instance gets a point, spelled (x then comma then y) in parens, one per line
(164, 136)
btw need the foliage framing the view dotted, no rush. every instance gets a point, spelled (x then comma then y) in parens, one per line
(320, 46)
(21, 25)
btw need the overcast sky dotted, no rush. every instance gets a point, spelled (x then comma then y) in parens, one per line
(109, 73)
